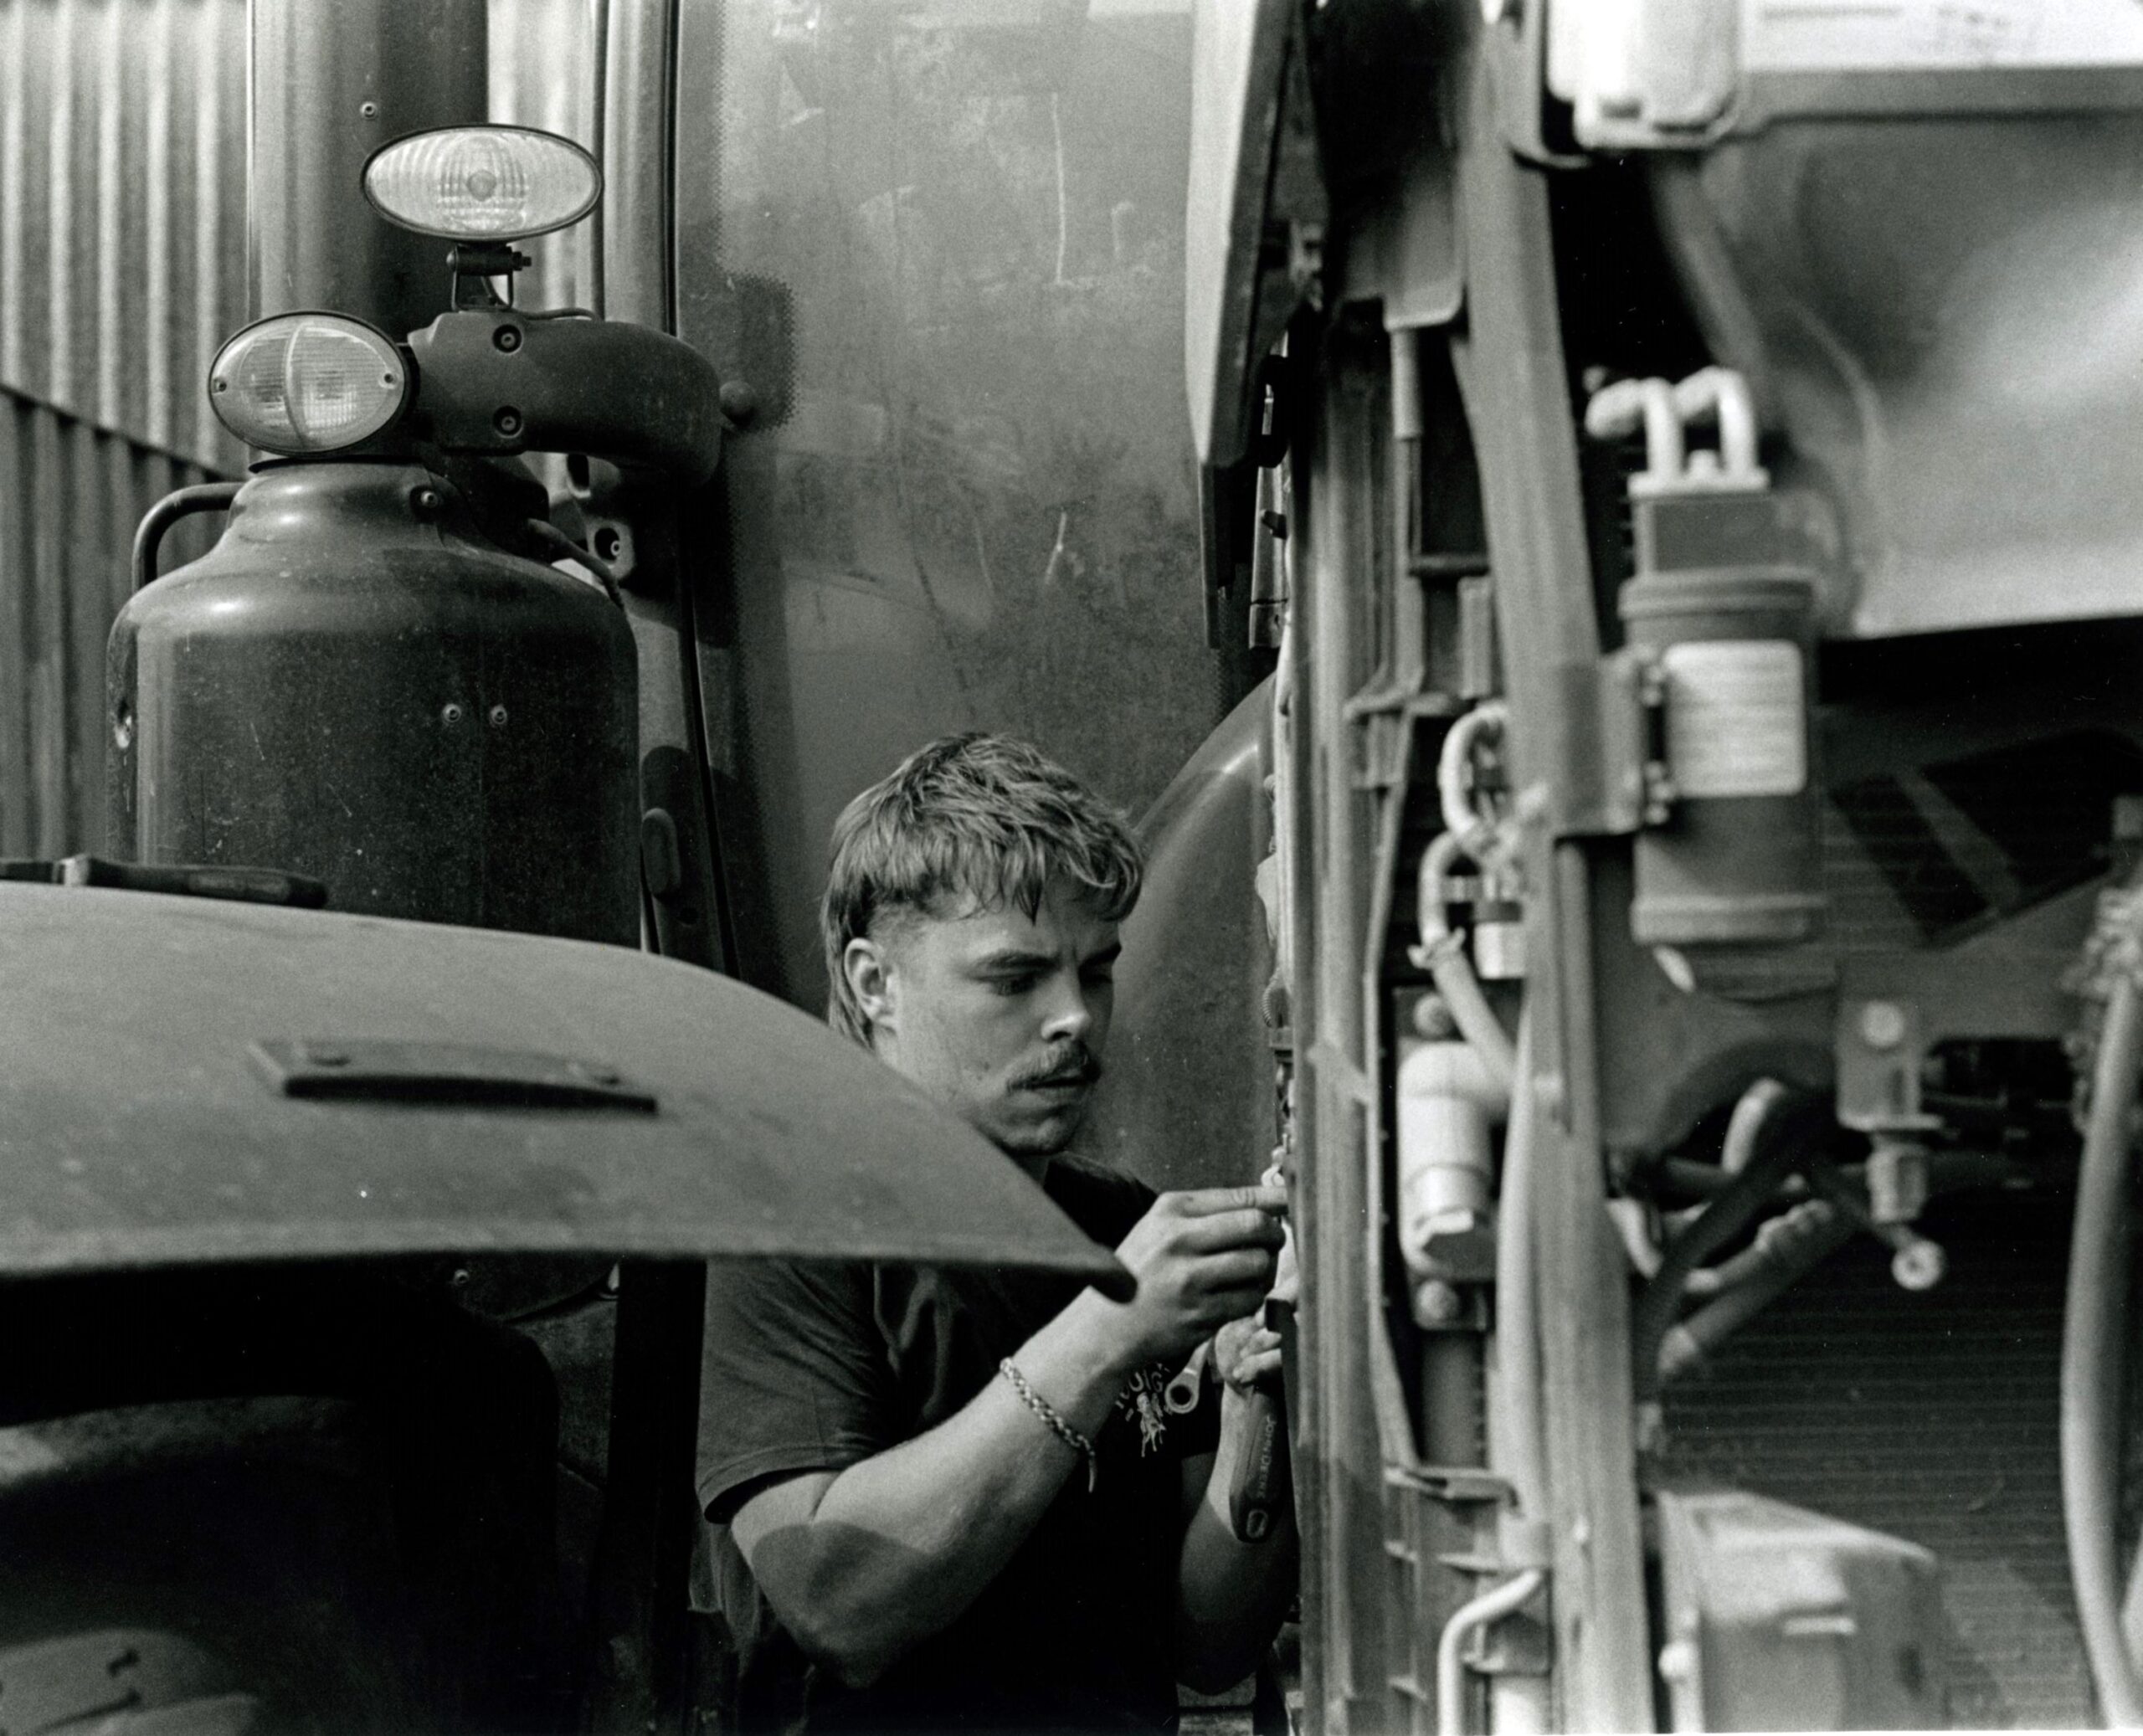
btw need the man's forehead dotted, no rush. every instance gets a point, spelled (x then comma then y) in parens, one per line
(1066, 919)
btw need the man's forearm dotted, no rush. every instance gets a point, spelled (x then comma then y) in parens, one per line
(899, 1545)
(1230, 1595)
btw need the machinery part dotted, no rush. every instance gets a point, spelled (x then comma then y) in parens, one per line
(1915, 1262)
(1442, 954)
(1738, 861)
(1798, 1242)
(1779, 1619)
(353, 684)
(305, 384)
(157, 521)
(1448, 1102)
(556, 540)
(493, 380)
(1766, 1128)
(1450, 1663)
(2095, 1331)
(1514, 1393)
(138, 1131)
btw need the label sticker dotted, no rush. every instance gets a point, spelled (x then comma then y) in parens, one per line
(1736, 718)
(1924, 35)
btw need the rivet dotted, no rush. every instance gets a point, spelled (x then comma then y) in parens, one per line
(450, 714)
(425, 503)
(498, 716)
(508, 421)
(368, 110)
(507, 338)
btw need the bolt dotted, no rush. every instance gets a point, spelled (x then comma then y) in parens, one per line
(507, 338)
(508, 421)
(1436, 1303)
(425, 503)
(222, 385)
(1881, 1023)
(1918, 1265)
(740, 401)
(459, 1276)
(450, 714)
(368, 110)
(498, 716)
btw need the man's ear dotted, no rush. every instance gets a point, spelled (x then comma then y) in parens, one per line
(870, 980)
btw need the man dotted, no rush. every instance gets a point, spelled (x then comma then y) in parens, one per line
(963, 1501)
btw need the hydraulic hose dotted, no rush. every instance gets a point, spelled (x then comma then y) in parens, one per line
(2094, 1334)
(1442, 954)
(1762, 1157)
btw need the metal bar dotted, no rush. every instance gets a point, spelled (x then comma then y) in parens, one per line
(1514, 381)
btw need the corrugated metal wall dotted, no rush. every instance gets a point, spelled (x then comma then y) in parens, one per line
(122, 268)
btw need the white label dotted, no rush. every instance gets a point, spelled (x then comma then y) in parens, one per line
(1914, 35)
(1735, 719)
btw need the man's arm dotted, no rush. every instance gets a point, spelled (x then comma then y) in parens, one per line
(1231, 1595)
(862, 1564)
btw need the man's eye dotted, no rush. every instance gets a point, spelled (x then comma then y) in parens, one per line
(1010, 986)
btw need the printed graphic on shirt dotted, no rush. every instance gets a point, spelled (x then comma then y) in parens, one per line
(1141, 1402)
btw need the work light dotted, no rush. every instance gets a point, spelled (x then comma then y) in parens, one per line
(483, 183)
(307, 383)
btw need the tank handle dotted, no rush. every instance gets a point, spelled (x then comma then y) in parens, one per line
(202, 497)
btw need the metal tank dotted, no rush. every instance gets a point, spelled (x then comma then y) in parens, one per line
(355, 684)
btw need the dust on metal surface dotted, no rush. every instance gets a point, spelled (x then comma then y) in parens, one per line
(138, 1127)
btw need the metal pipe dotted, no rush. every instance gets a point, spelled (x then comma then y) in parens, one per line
(2095, 1331)
(1451, 1668)
(1442, 955)
(330, 85)
(1787, 1260)
(1519, 1445)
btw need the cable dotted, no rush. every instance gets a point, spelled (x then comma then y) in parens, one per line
(1442, 954)
(551, 537)
(2094, 1328)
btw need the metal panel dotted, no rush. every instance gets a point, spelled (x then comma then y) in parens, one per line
(138, 1126)
(70, 495)
(122, 211)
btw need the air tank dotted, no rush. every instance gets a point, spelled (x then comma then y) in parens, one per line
(355, 684)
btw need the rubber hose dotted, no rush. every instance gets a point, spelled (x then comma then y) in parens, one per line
(1766, 1158)
(2093, 1332)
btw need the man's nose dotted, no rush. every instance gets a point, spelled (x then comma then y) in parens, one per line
(1070, 1014)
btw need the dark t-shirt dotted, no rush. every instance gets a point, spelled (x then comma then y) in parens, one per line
(814, 1365)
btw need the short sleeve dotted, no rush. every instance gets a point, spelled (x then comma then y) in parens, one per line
(793, 1375)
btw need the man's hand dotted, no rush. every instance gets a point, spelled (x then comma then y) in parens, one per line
(1247, 1353)
(1202, 1259)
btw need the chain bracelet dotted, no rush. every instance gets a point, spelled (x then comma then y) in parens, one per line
(1047, 1412)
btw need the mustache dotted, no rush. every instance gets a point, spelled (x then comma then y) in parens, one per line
(1076, 1065)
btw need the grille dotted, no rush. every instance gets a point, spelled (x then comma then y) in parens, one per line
(1931, 1417)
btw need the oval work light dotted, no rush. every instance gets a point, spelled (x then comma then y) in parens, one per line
(305, 382)
(483, 183)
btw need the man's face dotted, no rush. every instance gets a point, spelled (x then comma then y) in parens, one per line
(997, 1015)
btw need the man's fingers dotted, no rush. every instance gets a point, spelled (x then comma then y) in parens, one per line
(1231, 1229)
(1235, 1269)
(1206, 1201)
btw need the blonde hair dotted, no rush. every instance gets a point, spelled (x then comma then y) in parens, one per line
(977, 819)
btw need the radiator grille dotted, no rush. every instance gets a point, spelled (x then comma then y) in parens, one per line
(1933, 1418)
